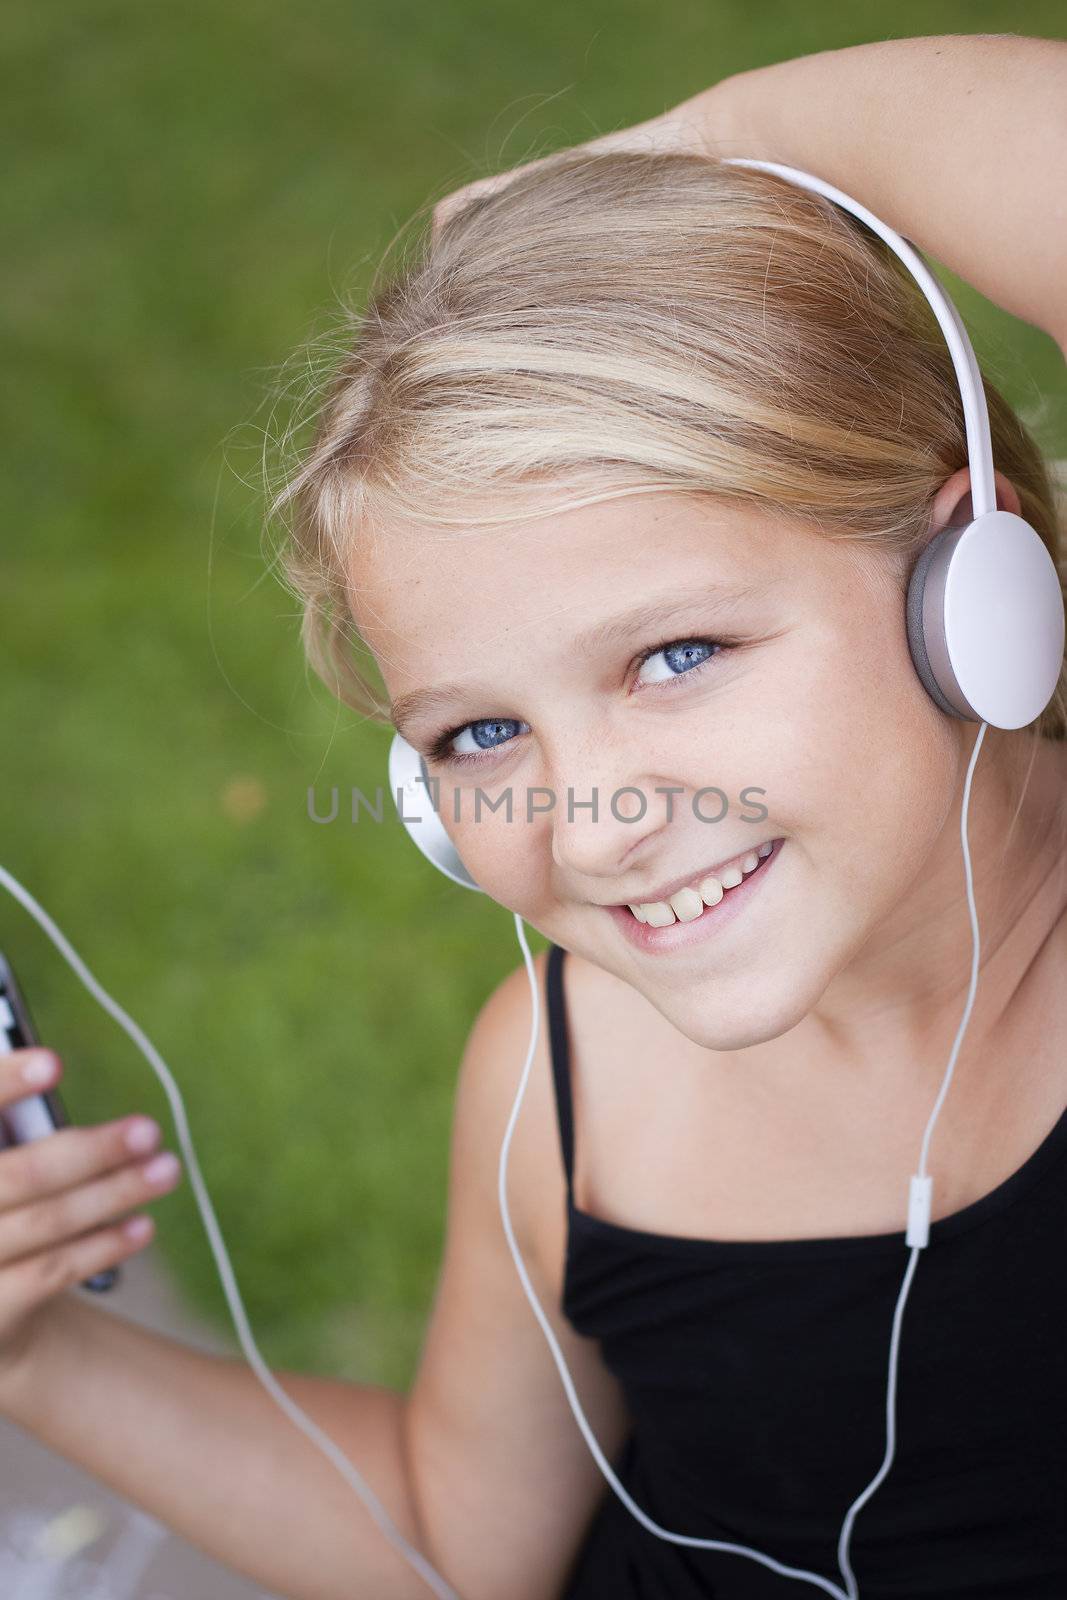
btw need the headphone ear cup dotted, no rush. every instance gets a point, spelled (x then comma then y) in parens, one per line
(985, 621)
(409, 785)
(916, 634)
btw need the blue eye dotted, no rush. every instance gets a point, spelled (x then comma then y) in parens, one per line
(484, 734)
(684, 657)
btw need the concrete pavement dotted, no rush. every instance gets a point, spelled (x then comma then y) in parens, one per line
(64, 1536)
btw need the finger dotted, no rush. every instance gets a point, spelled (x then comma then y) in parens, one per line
(460, 198)
(34, 1279)
(28, 1071)
(71, 1156)
(45, 1224)
(442, 212)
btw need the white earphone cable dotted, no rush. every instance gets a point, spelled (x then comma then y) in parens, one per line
(321, 1440)
(921, 1176)
(851, 1591)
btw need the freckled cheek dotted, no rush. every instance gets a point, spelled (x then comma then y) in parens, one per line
(805, 741)
(505, 856)
(868, 659)
(872, 771)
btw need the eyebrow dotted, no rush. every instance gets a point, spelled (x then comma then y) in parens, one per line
(663, 609)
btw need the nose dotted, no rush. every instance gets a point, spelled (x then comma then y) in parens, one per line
(604, 813)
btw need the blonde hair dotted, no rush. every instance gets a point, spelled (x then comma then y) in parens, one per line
(638, 322)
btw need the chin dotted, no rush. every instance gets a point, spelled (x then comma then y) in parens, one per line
(725, 1032)
(726, 1023)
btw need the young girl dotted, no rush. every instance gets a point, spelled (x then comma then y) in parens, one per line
(621, 485)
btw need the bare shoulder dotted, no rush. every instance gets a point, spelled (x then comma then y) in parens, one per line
(604, 1016)
(614, 1036)
(491, 1440)
(490, 1072)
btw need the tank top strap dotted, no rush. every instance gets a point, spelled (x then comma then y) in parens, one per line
(557, 1033)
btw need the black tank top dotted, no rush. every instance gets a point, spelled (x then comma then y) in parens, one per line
(755, 1378)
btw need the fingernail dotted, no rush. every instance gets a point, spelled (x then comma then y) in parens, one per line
(40, 1070)
(142, 1134)
(162, 1169)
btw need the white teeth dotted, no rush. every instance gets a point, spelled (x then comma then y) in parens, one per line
(686, 904)
(711, 891)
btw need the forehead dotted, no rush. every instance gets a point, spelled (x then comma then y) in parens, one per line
(417, 591)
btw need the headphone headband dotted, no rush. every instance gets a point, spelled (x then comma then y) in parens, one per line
(964, 361)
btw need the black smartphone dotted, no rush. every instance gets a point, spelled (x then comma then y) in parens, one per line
(37, 1114)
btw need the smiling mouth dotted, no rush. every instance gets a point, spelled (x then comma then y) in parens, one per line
(689, 903)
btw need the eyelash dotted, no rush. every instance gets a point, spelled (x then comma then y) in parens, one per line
(440, 752)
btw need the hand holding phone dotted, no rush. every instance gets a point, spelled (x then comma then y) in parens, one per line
(61, 1187)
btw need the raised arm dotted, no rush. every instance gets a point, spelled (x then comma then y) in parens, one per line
(958, 141)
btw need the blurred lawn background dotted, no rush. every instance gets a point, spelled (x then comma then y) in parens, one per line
(187, 190)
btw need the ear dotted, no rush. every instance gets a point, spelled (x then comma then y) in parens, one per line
(952, 505)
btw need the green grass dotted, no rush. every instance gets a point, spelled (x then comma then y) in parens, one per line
(186, 189)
